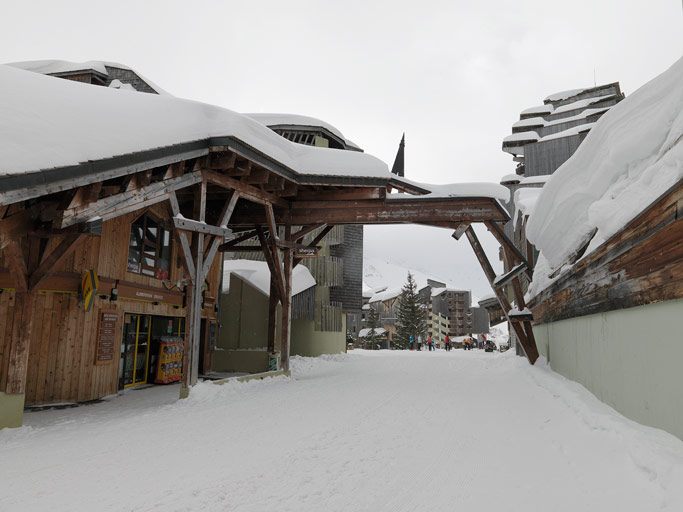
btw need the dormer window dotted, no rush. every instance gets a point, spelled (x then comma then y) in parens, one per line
(149, 250)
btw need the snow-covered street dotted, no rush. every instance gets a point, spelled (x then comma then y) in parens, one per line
(367, 431)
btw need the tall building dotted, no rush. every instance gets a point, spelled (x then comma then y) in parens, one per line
(543, 139)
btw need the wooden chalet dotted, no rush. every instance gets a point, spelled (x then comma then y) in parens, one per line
(110, 268)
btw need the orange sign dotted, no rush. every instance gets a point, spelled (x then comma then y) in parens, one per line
(89, 283)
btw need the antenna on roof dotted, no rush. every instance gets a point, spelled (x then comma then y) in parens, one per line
(399, 167)
(595, 83)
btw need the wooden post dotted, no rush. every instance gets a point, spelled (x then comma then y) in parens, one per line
(20, 344)
(286, 300)
(272, 315)
(527, 341)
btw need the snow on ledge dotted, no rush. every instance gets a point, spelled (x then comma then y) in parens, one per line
(454, 190)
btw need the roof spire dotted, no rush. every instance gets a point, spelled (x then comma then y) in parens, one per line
(399, 166)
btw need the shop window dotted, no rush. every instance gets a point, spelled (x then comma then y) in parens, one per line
(149, 250)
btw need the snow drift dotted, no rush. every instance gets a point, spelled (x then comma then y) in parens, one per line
(631, 157)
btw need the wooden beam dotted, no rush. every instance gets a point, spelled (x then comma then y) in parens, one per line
(525, 338)
(437, 212)
(16, 261)
(272, 314)
(286, 301)
(505, 279)
(232, 243)
(52, 260)
(257, 176)
(460, 230)
(20, 343)
(223, 219)
(273, 262)
(314, 242)
(200, 227)
(305, 230)
(182, 238)
(345, 194)
(129, 201)
(246, 191)
(508, 245)
(223, 160)
(270, 218)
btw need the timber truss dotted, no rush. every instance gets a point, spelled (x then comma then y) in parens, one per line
(229, 198)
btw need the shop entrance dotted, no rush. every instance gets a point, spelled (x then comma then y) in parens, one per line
(151, 350)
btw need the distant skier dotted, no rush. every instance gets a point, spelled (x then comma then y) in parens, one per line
(430, 344)
(419, 342)
(411, 341)
(447, 343)
(428, 341)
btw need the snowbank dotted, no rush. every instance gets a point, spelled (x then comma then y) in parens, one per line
(48, 122)
(631, 157)
(525, 200)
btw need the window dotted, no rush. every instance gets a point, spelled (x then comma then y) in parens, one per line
(149, 250)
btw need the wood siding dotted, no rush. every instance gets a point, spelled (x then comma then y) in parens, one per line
(61, 363)
(641, 264)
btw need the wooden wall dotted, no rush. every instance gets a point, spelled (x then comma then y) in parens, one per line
(641, 264)
(61, 363)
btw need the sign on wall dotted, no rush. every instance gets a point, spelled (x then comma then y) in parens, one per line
(89, 283)
(106, 337)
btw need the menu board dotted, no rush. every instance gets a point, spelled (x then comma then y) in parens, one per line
(106, 337)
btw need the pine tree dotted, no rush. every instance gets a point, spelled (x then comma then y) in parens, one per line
(372, 325)
(410, 316)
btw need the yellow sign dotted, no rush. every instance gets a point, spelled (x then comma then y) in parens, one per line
(89, 284)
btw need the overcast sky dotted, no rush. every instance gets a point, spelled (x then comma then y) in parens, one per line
(453, 75)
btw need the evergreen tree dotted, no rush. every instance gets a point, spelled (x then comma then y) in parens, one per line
(410, 315)
(373, 322)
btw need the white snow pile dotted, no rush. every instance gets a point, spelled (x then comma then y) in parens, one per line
(454, 190)
(257, 274)
(574, 130)
(75, 122)
(52, 66)
(632, 156)
(525, 200)
(365, 332)
(582, 103)
(529, 121)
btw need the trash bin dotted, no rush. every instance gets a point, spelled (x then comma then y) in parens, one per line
(273, 361)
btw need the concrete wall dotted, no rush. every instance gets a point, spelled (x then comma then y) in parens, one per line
(631, 359)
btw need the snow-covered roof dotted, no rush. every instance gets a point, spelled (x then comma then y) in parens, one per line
(582, 103)
(529, 121)
(53, 67)
(365, 332)
(438, 291)
(77, 123)
(391, 293)
(564, 95)
(521, 136)
(540, 109)
(257, 274)
(274, 119)
(575, 130)
(632, 156)
(492, 190)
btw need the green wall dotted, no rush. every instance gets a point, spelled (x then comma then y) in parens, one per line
(243, 336)
(11, 410)
(631, 359)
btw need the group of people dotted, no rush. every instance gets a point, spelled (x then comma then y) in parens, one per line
(416, 344)
(468, 343)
